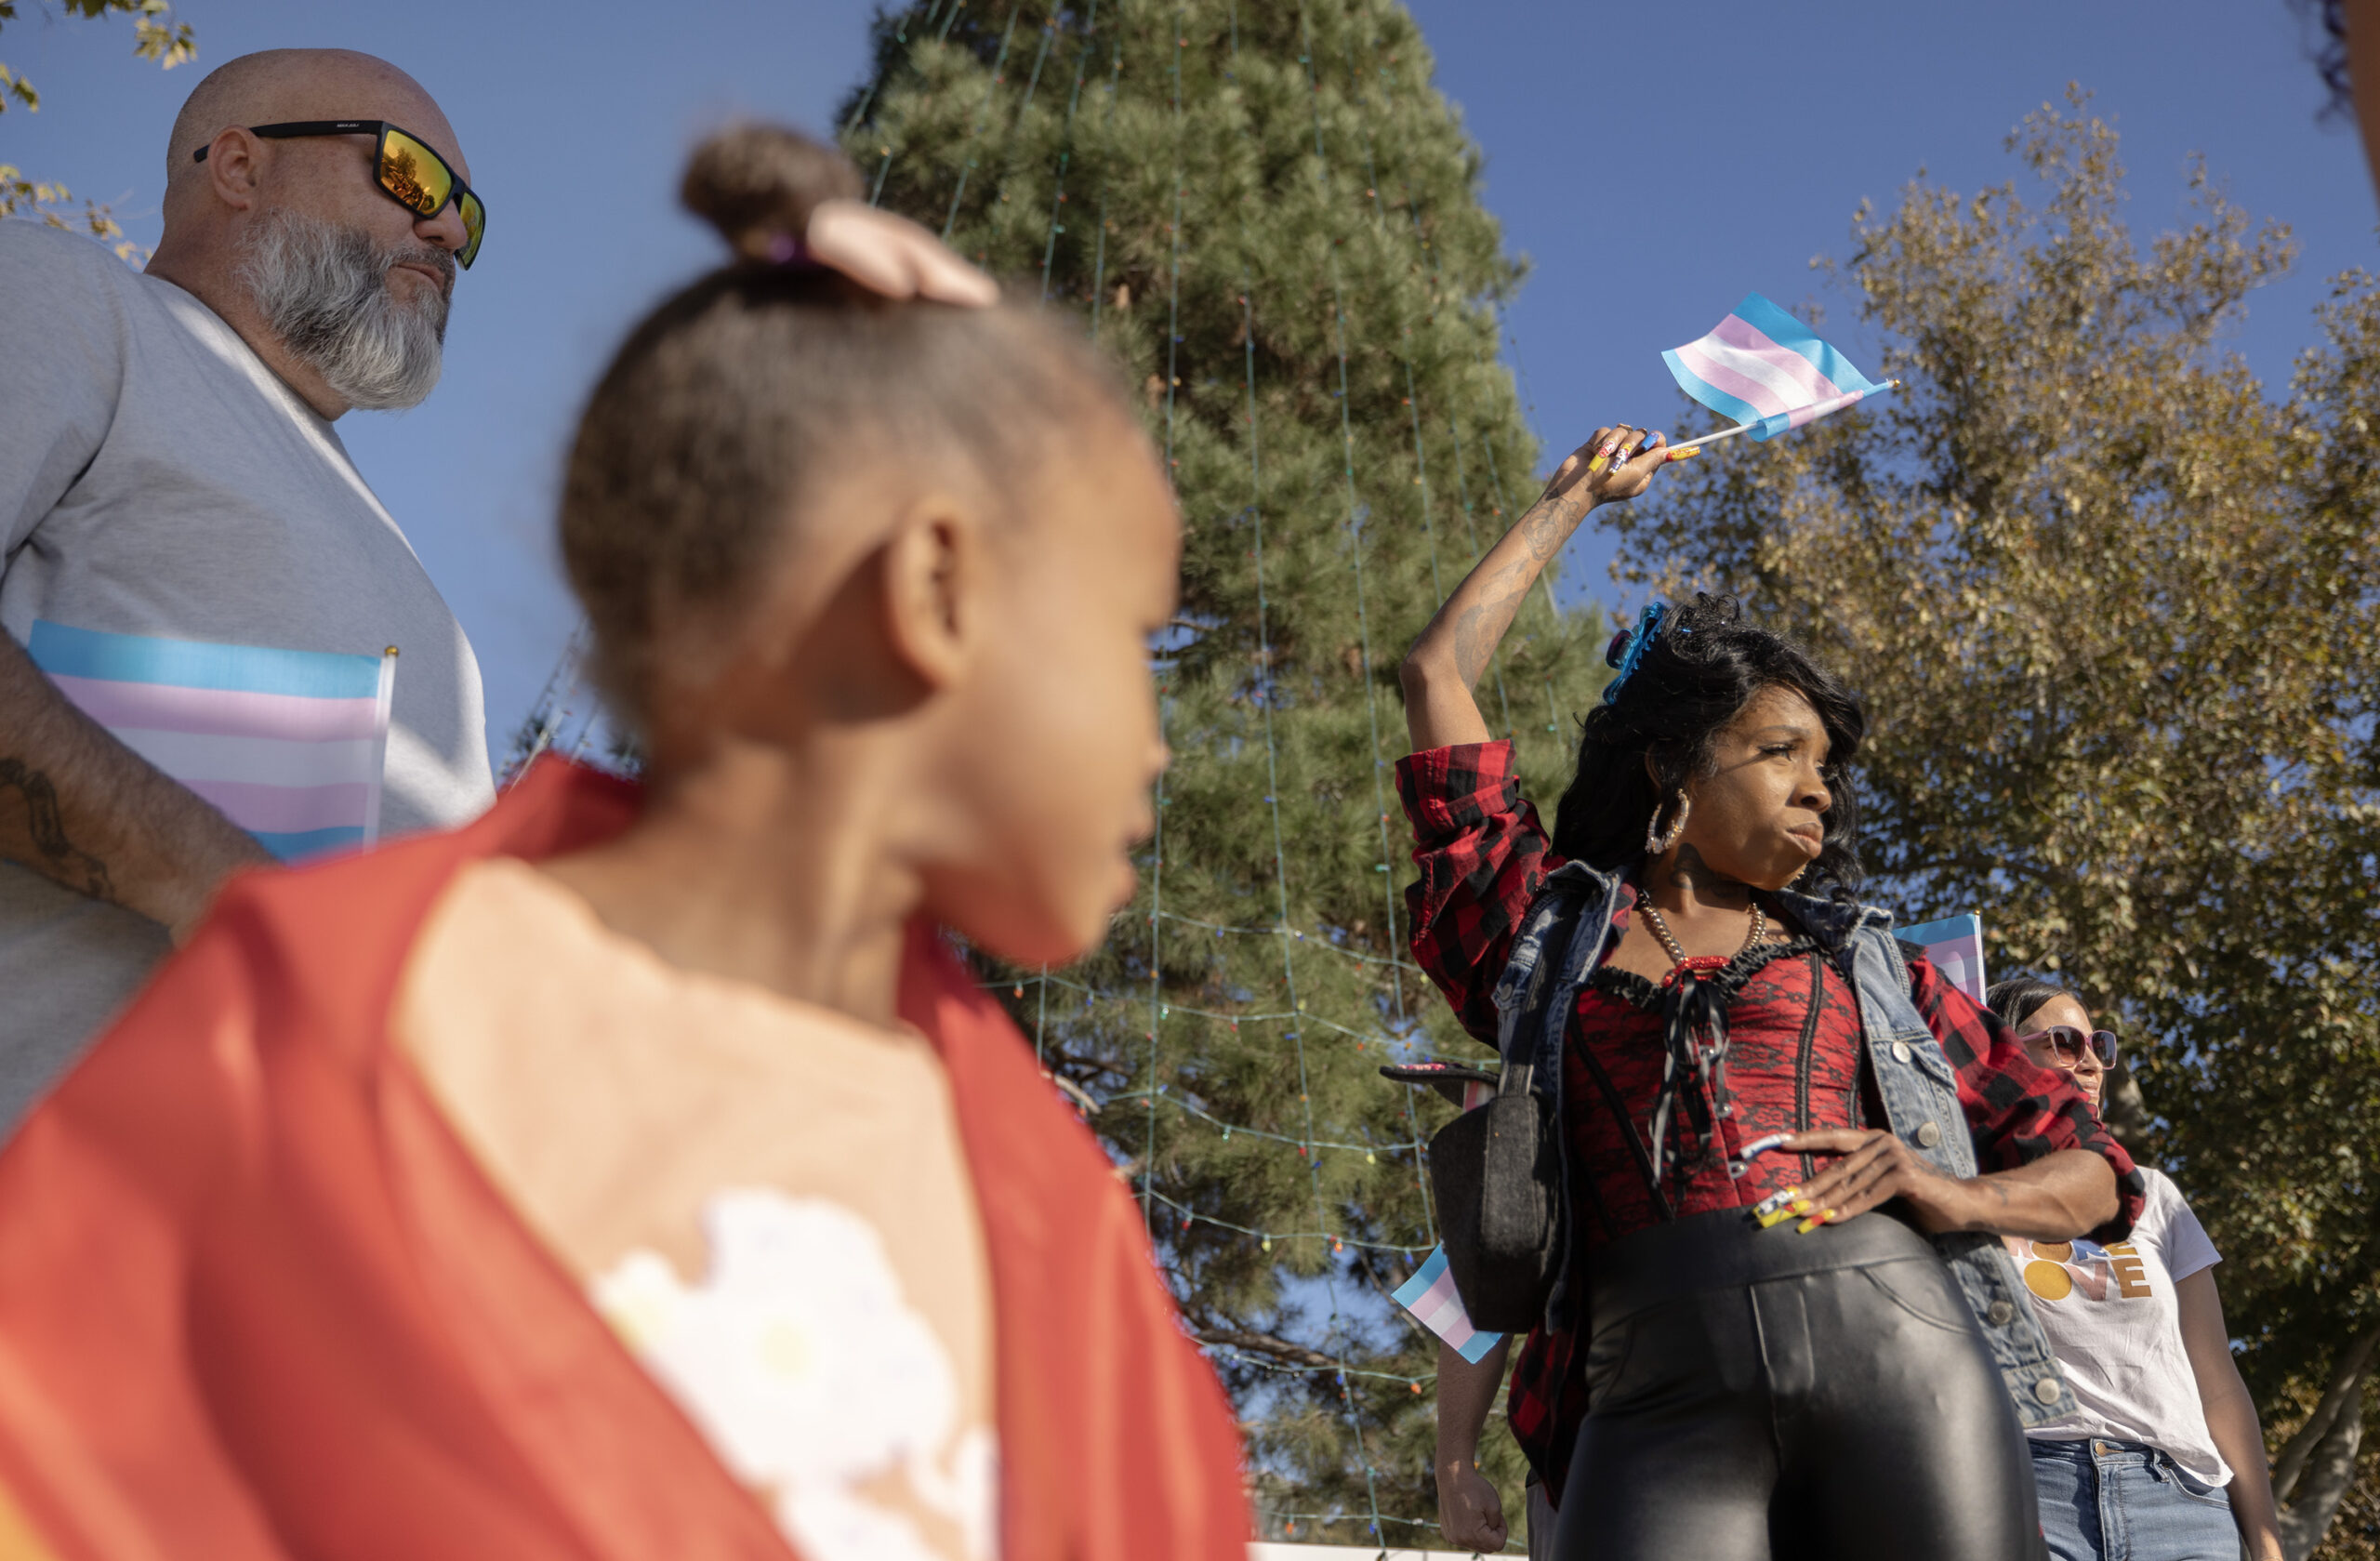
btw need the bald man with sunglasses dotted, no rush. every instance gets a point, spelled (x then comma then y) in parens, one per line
(220, 650)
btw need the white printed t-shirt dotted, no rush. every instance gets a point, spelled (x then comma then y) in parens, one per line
(769, 1202)
(2114, 1322)
(159, 483)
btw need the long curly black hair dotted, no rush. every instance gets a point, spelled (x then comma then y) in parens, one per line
(1701, 667)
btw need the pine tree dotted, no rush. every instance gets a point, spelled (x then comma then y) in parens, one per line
(1272, 221)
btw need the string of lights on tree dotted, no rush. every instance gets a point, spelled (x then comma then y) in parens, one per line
(1307, 1144)
(1091, 52)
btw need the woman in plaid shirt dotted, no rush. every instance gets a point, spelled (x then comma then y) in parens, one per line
(1758, 1351)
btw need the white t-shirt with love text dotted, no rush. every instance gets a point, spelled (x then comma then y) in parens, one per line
(2113, 1321)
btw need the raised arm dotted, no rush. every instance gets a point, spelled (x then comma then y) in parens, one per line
(84, 811)
(1446, 662)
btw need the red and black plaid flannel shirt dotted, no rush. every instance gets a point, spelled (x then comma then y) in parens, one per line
(1482, 855)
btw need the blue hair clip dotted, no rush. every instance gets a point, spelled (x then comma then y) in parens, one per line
(1627, 650)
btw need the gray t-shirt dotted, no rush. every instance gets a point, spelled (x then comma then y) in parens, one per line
(160, 486)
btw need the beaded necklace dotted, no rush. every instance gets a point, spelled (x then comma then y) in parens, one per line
(1683, 960)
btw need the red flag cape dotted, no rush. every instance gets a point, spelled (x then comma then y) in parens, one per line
(258, 1302)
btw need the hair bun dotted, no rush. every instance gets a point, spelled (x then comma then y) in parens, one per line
(758, 183)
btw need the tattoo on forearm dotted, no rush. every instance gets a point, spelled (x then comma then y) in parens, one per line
(1544, 529)
(1483, 624)
(60, 858)
(1490, 601)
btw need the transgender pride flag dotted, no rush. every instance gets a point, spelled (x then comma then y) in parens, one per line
(1956, 947)
(289, 745)
(1430, 1296)
(1764, 369)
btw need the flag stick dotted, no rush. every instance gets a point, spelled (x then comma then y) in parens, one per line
(1694, 446)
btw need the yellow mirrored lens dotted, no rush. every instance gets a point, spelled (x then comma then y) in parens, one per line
(414, 174)
(474, 224)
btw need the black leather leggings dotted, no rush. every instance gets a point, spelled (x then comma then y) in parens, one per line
(1759, 1394)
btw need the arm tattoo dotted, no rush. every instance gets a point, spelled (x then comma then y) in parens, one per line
(61, 858)
(1475, 620)
(1471, 648)
(1483, 624)
(1546, 531)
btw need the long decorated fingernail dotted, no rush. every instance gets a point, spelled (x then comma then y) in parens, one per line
(1685, 452)
(1822, 1217)
(1762, 1145)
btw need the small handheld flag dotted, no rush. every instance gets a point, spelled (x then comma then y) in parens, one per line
(1763, 369)
(1955, 945)
(1430, 1296)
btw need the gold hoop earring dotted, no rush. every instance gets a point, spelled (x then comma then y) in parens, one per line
(1655, 841)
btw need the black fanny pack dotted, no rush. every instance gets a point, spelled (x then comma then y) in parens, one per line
(1497, 1169)
(1496, 1173)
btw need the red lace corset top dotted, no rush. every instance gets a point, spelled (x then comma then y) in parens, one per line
(1792, 1066)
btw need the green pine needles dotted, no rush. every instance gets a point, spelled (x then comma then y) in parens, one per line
(1272, 221)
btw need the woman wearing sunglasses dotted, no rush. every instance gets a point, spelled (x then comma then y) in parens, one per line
(2163, 1460)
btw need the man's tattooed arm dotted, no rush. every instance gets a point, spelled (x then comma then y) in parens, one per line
(1454, 650)
(58, 857)
(88, 813)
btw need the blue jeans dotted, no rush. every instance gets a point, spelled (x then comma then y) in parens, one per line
(2122, 1502)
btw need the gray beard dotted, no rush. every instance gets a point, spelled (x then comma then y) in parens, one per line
(324, 291)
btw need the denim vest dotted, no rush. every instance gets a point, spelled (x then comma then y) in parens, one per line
(1536, 997)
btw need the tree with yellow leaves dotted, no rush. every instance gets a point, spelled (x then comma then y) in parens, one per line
(155, 35)
(2116, 613)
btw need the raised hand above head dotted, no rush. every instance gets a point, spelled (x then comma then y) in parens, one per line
(1614, 466)
(1624, 463)
(738, 182)
(894, 256)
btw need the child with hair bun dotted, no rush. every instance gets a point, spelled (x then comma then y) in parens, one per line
(633, 1172)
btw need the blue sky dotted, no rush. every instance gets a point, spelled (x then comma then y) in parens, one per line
(1654, 162)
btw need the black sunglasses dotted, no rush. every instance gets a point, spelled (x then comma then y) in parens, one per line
(2068, 1044)
(406, 169)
